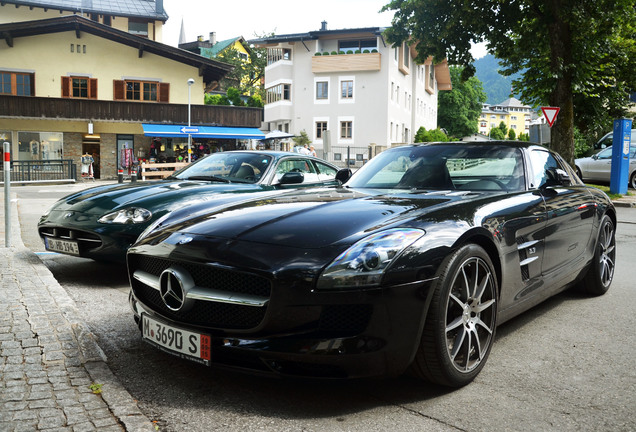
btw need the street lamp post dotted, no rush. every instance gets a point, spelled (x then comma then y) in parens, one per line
(190, 82)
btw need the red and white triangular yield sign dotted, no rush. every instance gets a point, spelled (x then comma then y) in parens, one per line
(550, 114)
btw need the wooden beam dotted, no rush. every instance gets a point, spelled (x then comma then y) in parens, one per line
(7, 37)
(141, 51)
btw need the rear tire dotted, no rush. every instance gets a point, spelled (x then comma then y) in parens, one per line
(632, 180)
(461, 321)
(601, 272)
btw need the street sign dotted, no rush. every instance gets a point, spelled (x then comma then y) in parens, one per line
(550, 114)
(189, 130)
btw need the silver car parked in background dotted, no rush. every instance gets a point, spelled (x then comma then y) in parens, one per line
(598, 167)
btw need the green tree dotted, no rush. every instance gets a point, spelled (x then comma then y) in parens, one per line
(433, 135)
(301, 139)
(512, 135)
(234, 95)
(503, 128)
(497, 134)
(573, 54)
(459, 109)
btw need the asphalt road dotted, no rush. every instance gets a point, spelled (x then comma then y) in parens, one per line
(566, 365)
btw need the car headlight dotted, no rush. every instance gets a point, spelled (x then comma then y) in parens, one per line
(131, 215)
(364, 263)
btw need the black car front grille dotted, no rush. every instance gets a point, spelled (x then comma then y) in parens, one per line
(85, 240)
(204, 313)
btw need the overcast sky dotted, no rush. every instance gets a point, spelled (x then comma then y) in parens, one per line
(249, 18)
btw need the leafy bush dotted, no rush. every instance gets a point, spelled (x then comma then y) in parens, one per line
(216, 99)
(325, 53)
(334, 53)
(255, 101)
(318, 54)
(349, 52)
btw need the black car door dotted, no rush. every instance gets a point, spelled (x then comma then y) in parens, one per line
(570, 213)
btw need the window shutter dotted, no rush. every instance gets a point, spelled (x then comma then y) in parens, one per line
(119, 90)
(92, 88)
(66, 87)
(164, 92)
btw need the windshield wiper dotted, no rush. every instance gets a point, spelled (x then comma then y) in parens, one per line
(209, 178)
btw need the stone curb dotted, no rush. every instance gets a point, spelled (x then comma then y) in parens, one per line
(119, 402)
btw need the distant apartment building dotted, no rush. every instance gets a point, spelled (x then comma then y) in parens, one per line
(349, 88)
(512, 112)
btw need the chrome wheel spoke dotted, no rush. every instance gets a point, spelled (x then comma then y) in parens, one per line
(470, 315)
(483, 306)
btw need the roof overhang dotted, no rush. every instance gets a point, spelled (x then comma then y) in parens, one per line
(210, 70)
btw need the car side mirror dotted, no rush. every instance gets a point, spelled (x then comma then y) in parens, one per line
(557, 177)
(343, 175)
(292, 178)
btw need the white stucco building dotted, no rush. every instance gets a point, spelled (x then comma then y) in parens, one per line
(349, 88)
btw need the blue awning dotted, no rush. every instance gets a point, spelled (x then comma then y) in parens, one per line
(202, 131)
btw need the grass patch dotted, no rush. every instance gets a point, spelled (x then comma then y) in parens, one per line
(606, 189)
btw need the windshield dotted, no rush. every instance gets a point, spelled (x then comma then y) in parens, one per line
(444, 167)
(242, 167)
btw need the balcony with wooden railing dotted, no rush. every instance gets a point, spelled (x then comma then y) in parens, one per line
(346, 63)
(46, 108)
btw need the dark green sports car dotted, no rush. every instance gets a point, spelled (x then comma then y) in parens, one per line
(102, 222)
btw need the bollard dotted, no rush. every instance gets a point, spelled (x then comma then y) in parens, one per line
(133, 176)
(7, 194)
(120, 176)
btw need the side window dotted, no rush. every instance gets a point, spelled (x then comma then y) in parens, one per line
(325, 172)
(541, 160)
(605, 154)
(297, 165)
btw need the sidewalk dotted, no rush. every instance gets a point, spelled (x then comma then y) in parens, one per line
(49, 359)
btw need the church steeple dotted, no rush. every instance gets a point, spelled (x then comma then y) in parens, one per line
(182, 37)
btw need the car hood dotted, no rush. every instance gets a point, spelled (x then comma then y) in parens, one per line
(317, 218)
(165, 195)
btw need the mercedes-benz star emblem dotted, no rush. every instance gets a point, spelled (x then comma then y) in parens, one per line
(174, 284)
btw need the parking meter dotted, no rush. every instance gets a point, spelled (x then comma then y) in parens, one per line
(622, 137)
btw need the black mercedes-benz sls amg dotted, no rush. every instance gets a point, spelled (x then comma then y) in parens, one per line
(409, 266)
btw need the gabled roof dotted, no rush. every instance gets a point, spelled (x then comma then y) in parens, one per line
(513, 102)
(219, 46)
(129, 8)
(210, 70)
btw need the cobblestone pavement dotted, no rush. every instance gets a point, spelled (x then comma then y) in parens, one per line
(53, 375)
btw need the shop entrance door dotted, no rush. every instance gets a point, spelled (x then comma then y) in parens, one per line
(93, 150)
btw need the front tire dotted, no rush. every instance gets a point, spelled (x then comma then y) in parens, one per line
(601, 272)
(632, 180)
(461, 322)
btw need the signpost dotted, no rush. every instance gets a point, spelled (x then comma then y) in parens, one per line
(550, 114)
(621, 139)
(7, 194)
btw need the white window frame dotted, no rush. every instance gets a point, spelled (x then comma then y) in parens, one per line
(329, 90)
(340, 98)
(316, 120)
(353, 128)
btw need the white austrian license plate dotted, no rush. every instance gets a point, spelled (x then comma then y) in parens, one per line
(63, 246)
(184, 343)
